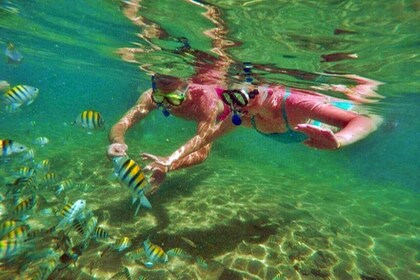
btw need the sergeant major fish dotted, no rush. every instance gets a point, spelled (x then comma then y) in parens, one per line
(70, 212)
(90, 120)
(20, 95)
(8, 147)
(131, 174)
(154, 253)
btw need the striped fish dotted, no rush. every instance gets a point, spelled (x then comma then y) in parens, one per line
(25, 172)
(49, 179)
(177, 252)
(7, 226)
(136, 254)
(154, 253)
(201, 262)
(122, 244)
(44, 165)
(19, 233)
(9, 147)
(29, 155)
(100, 233)
(20, 95)
(70, 212)
(90, 120)
(79, 226)
(131, 174)
(41, 141)
(25, 205)
(61, 188)
(90, 227)
(10, 248)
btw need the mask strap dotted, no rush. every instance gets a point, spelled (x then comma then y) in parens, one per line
(165, 111)
(154, 86)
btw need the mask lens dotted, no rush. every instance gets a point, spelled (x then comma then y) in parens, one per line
(226, 98)
(157, 98)
(240, 98)
(175, 101)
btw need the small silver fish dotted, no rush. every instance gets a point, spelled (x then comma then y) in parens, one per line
(29, 155)
(12, 54)
(41, 141)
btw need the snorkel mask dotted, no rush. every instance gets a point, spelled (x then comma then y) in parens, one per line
(239, 98)
(175, 99)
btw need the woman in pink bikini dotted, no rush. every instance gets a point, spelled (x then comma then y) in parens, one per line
(285, 114)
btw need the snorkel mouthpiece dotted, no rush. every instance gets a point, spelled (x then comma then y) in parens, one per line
(236, 118)
(165, 112)
(154, 86)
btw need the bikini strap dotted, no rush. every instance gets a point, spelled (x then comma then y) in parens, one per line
(283, 107)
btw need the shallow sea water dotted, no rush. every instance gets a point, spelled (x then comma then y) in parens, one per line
(256, 208)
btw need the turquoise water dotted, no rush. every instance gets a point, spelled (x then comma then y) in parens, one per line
(255, 208)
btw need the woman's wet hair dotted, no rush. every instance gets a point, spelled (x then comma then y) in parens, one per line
(167, 84)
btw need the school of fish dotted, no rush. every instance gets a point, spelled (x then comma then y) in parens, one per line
(42, 231)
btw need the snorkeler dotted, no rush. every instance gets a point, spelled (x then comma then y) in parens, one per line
(279, 112)
(285, 114)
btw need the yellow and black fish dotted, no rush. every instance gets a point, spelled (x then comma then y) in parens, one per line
(122, 244)
(70, 212)
(9, 147)
(7, 226)
(20, 95)
(131, 174)
(10, 248)
(154, 253)
(19, 233)
(90, 120)
(100, 233)
(25, 205)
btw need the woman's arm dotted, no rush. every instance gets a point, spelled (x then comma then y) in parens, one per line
(116, 136)
(364, 92)
(354, 127)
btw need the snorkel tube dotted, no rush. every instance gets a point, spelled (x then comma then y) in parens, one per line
(165, 111)
(247, 70)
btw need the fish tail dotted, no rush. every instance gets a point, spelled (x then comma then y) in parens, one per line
(145, 202)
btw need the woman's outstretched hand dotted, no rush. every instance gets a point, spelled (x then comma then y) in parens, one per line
(157, 159)
(158, 176)
(319, 138)
(117, 150)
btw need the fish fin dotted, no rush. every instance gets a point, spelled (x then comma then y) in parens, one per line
(145, 202)
(137, 210)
